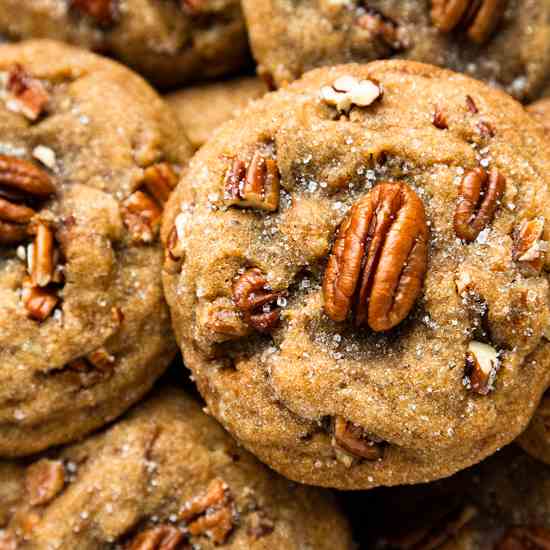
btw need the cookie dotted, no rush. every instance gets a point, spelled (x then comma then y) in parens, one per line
(88, 155)
(540, 110)
(290, 38)
(166, 476)
(356, 271)
(201, 109)
(501, 504)
(171, 42)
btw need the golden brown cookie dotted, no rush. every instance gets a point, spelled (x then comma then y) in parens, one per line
(171, 42)
(356, 271)
(165, 477)
(201, 109)
(505, 42)
(88, 155)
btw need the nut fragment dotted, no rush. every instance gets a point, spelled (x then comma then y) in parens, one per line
(103, 11)
(478, 199)
(379, 259)
(39, 302)
(256, 300)
(348, 91)
(254, 186)
(101, 359)
(25, 94)
(162, 537)
(141, 215)
(478, 17)
(352, 438)
(43, 258)
(210, 514)
(525, 538)
(160, 179)
(530, 250)
(439, 119)
(482, 364)
(44, 480)
(223, 320)
(259, 525)
(383, 28)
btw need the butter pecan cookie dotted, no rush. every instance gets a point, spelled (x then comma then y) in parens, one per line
(202, 108)
(505, 42)
(88, 156)
(164, 477)
(171, 42)
(357, 274)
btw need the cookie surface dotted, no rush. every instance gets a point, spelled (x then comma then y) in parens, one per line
(166, 472)
(286, 38)
(170, 42)
(201, 109)
(88, 152)
(341, 375)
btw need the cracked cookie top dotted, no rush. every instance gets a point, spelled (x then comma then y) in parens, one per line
(164, 477)
(357, 274)
(290, 37)
(88, 156)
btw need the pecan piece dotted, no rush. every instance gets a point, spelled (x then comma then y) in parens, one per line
(347, 91)
(43, 256)
(163, 537)
(254, 186)
(382, 27)
(256, 300)
(160, 179)
(223, 320)
(210, 514)
(26, 95)
(525, 538)
(439, 119)
(44, 480)
(141, 215)
(39, 302)
(482, 364)
(530, 250)
(478, 17)
(103, 11)
(478, 199)
(352, 438)
(379, 258)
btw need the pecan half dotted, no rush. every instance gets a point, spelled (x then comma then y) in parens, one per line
(482, 364)
(525, 538)
(254, 186)
(26, 94)
(478, 199)
(142, 216)
(210, 514)
(39, 302)
(104, 12)
(478, 17)
(162, 537)
(257, 302)
(348, 91)
(352, 438)
(530, 250)
(379, 258)
(44, 480)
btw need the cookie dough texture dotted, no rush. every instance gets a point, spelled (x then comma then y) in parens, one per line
(291, 37)
(201, 109)
(407, 389)
(170, 42)
(109, 336)
(147, 470)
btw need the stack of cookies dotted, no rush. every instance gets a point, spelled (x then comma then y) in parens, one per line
(285, 286)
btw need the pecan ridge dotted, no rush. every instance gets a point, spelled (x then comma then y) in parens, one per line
(379, 258)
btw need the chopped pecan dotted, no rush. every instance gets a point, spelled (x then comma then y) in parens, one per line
(210, 514)
(478, 199)
(382, 27)
(525, 538)
(348, 91)
(471, 105)
(352, 438)
(160, 179)
(26, 95)
(379, 258)
(102, 11)
(93, 368)
(478, 17)
(44, 480)
(530, 250)
(39, 302)
(439, 119)
(223, 319)
(101, 359)
(256, 300)
(142, 216)
(43, 256)
(482, 364)
(254, 186)
(485, 129)
(162, 537)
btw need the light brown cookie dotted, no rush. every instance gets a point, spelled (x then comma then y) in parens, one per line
(505, 42)
(165, 477)
(171, 42)
(88, 154)
(356, 271)
(203, 108)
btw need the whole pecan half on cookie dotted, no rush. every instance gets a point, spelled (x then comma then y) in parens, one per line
(379, 259)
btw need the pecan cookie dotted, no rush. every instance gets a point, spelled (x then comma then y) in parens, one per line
(357, 274)
(201, 109)
(88, 155)
(505, 42)
(171, 42)
(501, 504)
(165, 477)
